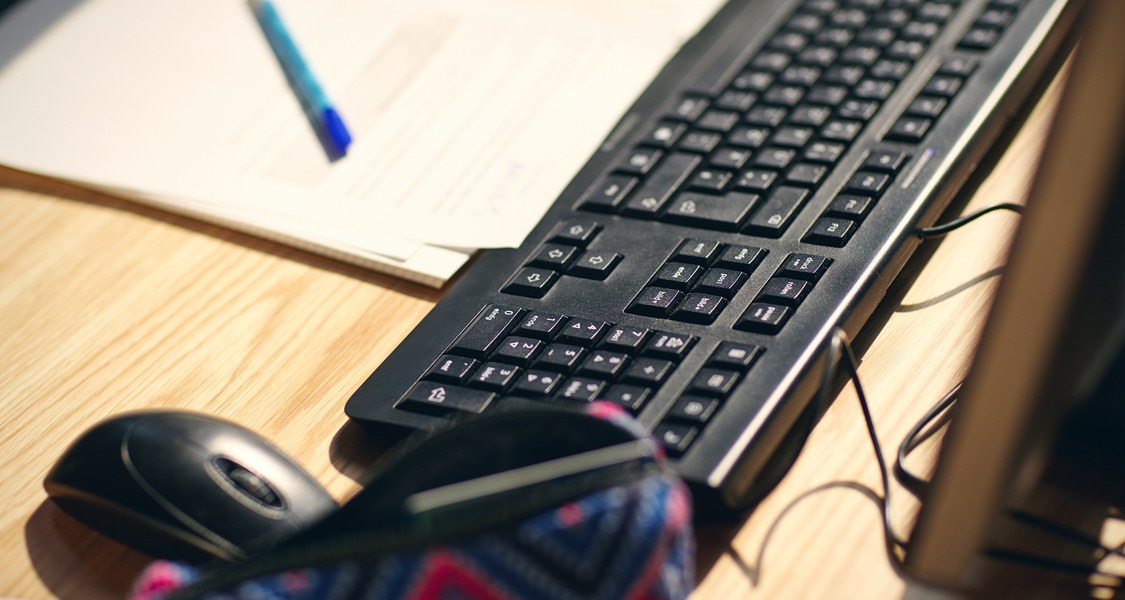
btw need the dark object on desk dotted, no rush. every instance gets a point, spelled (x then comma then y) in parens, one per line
(764, 191)
(1056, 332)
(184, 486)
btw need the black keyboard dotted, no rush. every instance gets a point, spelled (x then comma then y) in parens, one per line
(762, 191)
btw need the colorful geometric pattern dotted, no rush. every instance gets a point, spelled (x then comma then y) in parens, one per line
(632, 541)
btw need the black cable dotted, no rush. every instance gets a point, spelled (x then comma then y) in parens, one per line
(840, 351)
(926, 427)
(944, 228)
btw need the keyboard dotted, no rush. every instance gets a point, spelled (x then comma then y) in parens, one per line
(760, 193)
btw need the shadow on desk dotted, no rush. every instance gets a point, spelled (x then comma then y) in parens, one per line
(74, 562)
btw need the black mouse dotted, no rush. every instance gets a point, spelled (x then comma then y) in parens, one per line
(185, 486)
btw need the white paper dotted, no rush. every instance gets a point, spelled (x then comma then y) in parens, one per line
(469, 117)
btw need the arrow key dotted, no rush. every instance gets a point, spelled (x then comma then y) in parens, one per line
(594, 264)
(531, 282)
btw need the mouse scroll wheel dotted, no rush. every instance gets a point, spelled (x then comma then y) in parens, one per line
(249, 483)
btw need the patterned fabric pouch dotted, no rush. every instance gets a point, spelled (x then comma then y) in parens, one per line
(542, 504)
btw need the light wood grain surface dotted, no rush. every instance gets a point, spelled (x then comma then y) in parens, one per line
(106, 307)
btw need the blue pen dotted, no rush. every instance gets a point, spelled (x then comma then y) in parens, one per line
(301, 77)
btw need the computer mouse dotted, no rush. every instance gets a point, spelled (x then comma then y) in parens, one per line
(185, 486)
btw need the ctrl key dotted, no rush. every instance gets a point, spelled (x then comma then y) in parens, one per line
(438, 399)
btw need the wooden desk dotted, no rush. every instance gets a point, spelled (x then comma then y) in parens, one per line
(106, 307)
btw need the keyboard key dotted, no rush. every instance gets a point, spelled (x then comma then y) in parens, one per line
(910, 129)
(718, 120)
(712, 181)
(575, 233)
(438, 398)
(960, 67)
(905, 49)
(979, 38)
(734, 355)
(723, 213)
(581, 389)
(699, 308)
(582, 332)
(721, 282)
(518, 350)
(665, 134)
(748, 137)
(451, 369)
(741, 258)
(668, 345)
(675, 437)
(554, 256)
(486, 331)
(874, 89)
(604, 364)
(944, 86)
(792, 137)
(736, 100)
(829, 95)
(885, 159)
(809, 267)
(892, 70)
(608, 195)
(858, 110)
(700, 252)
(655, 302)
(761, 317)
(677, 275)
(702, 142)
(640, 161)
(755, 180)
(806, 174)
(830, 231)
(730, 158)
(766, 116)
(560, 357)
(850, 206)
(868, 183)
(540, 325)
(493, 376)
(824, 152)
(783, 290)
(714, 382)
(536, 383)
(625, 338)
(630, 397)
(810, 115)
(754, 80)
(594, 265)
(532, 282)
(777, 212)
(657, 188)
(690, 108)
(648, 372)
(693, 409)
(775, 158)
(839, 130)
(819, 55)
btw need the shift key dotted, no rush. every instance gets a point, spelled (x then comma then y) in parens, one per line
(486, 331)
(777, 212)
(651, 196)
